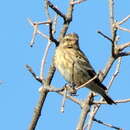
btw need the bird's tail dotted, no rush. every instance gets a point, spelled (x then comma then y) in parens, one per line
(100, 88)
(108, 99)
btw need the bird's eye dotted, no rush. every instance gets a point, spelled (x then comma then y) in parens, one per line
(69, 46)
(67, 39)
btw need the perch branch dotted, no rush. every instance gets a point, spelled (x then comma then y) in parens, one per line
(88, 82)
(106, 124)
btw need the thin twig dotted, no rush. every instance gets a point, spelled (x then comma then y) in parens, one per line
(106, 124)
(77, 2)
(88, 82)
(79, 102)
(51, 32)
(34, 32)
(116, 101)
(123, 29)
(51, 88)
(124, 45)
(42, 68)
(116, 72)
(54, 23)
(33, 73)
(124, 54)
(105, 36)
(67, 21)
(43, 35)
(56, 9)
(46, 9)
(124, 20)
(111, 14)
(63, 101)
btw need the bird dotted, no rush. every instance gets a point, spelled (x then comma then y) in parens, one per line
(75, 67)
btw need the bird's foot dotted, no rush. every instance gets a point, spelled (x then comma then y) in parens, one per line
(71, 89)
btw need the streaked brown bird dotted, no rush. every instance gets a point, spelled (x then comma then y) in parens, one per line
(75, 67)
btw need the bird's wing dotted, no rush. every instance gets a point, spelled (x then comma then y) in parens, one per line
(82, 59)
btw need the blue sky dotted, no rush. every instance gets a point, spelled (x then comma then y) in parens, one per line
(19, 91)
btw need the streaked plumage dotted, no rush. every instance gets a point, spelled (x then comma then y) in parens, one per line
(75, 67)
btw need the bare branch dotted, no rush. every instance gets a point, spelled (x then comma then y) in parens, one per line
(56, 9)
(63, 100)
(111, 14)
(123, 29)
(124, 20)
(51, 88)
(85, 110)
(71, 98)
(124, 54)
(33, 73)
(51, 34)
(116, 72)
(46, 9)
(42, 68)
(38, 109)
(105, 36)
(88, 82)
(34, 32)
(116, 101)
(67, 21)
(106, 124)
(77, 2)
(108, 66)
(43, 35)
(117, 24)
(124, 45)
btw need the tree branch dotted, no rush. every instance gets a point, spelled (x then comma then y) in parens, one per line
(105, 36)
(77, 2)
(56, 10)
(84, 112)
(116, 101)
(38, 109)
(106, 124)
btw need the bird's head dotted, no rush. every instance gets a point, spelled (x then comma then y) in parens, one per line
(70, 41)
